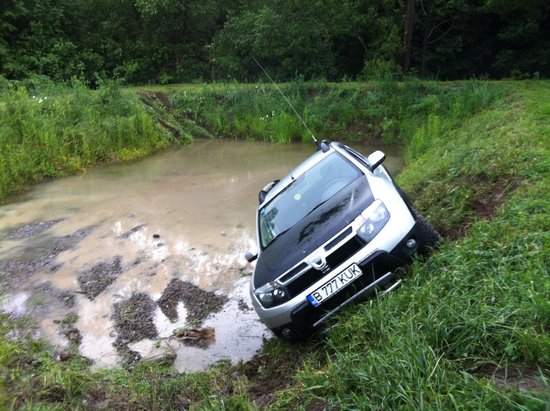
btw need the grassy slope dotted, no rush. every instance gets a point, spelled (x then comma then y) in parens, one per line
(478, 307)
(382, 112)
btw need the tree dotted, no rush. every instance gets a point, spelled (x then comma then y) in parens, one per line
(289, 39)
(409, 26)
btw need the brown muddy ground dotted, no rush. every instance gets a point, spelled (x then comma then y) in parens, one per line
(145, 259)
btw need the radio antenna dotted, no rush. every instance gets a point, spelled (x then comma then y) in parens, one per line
(289, 103)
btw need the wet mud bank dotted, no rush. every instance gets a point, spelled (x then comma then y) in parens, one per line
(199, 303)
(144, 260)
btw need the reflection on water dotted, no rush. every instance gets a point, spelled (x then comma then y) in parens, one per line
(187, 213)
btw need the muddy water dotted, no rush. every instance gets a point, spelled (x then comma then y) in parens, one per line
(168, 232)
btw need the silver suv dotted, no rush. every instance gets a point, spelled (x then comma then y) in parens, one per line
(330, 233)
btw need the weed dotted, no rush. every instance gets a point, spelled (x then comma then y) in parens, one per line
(55, 131)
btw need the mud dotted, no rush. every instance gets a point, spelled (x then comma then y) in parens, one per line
(198, 303)
(521, 379)
(28, 230)
(96, 279)
(133, 230)
(133, 319)
(149, 97)
(488, 195)
(40, 256)
(46, 291)
(267, 376)
(497, 194)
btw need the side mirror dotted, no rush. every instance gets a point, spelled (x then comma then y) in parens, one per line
(375, 159)
(263, 192)
(250, 256)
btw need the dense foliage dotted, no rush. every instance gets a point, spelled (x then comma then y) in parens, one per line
(166, 41)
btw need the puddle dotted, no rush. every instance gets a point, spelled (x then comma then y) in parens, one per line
(14, 304)
(147, 256)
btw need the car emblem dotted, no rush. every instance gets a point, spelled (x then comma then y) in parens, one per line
(319, 263)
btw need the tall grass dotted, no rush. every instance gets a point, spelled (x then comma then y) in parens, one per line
(388, 112)
(53, 131)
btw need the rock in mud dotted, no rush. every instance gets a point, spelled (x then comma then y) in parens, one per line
(96, 279)
(194, 337)
(64, 355)
(198, 302)
(134, 319)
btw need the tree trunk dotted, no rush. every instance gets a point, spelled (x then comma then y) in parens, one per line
(426, 35)
(409, 20)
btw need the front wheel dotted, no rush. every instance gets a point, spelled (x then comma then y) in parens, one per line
(291, 335)
(429, 237)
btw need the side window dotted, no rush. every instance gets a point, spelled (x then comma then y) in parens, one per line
(358, 156)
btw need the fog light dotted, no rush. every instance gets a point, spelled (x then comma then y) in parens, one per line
(411, 243)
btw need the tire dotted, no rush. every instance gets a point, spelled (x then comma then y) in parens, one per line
(429, 237)
(297, 337)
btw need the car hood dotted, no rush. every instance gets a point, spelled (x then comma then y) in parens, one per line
(312, 231)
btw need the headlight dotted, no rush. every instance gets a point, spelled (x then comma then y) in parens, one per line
(375, 220)
(271, 294)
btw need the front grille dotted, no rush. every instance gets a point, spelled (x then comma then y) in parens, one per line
(304, 281)
(344, 252)
(293, 272)
(339, 238)
(311, 276)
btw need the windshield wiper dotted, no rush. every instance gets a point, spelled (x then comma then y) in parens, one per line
(278, 236)
(316, 207)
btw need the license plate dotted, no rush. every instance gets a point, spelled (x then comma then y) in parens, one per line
(334, 285)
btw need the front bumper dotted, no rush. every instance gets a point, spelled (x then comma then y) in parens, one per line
(377, 270)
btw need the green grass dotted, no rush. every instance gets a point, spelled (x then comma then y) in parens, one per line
(477, 310)
(480, 303)
(48, 130)
(51, 131)
(382, 112)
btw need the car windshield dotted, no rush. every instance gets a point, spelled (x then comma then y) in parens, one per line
(303, 195)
